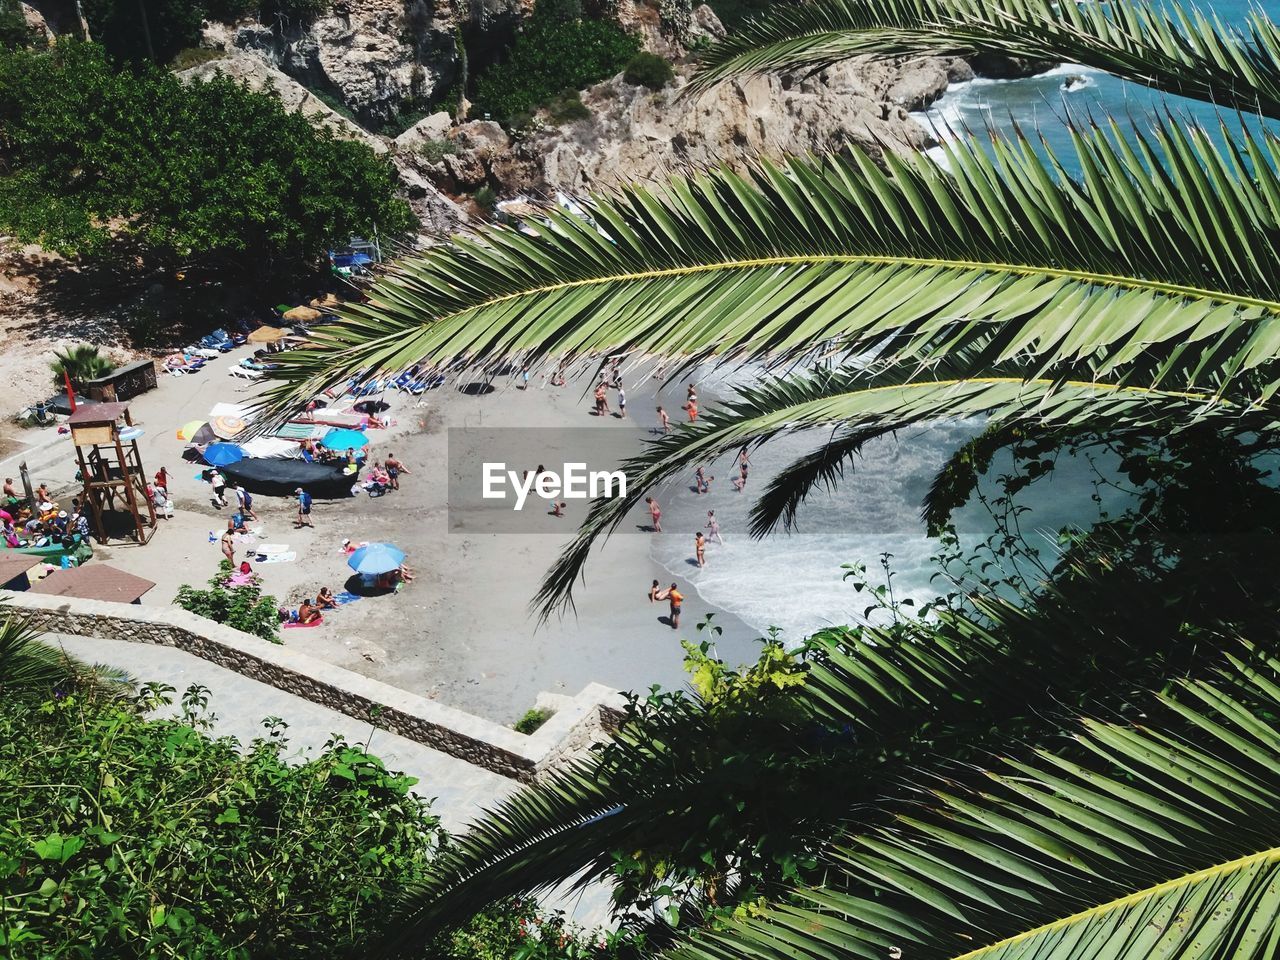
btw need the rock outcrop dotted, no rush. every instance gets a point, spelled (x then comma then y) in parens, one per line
(635, 134)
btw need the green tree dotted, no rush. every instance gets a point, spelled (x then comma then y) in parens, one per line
(201, 176)
(137, 30)
(242, 607)
(558, 50)
(125, 836)
(80, 363)
(14, 31)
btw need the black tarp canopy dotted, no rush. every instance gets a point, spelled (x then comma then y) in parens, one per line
(281, 477)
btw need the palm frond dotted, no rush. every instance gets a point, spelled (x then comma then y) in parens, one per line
(30, 667)
(1168, 46)
(1129, 841)
(1129, 265)
(864, 407)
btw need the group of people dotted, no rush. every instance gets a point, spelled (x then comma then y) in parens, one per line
(383, 477)
(673, 596)
(690, 407)
(310, 611)
(48, 523)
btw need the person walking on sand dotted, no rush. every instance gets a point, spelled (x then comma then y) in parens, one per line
(228, 544)
(394, 468)
(602, 399)
(700, 548)
(655, 514)
(714, 526)
(622, 403)
(219, 484)
(244, 500)
(304, 509)
(664, 421)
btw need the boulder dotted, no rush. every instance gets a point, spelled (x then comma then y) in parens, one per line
(434, 127)
(705, 24)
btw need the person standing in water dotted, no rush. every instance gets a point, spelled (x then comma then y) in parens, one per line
(700, 549)
(655, 514)
(714, 526)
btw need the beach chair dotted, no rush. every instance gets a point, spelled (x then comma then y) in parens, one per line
(244, 373)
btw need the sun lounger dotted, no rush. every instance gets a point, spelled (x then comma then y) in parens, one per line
(244, 373)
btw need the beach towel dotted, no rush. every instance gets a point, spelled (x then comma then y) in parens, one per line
(303, 626)
(345, 597)
(239, 580)
(278, 558)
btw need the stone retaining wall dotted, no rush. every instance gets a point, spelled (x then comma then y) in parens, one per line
(447, 729)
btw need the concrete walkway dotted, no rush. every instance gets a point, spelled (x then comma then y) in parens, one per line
(240, 704)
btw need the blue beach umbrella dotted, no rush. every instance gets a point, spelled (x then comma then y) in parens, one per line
(221, 454)
(376, 558)
(344, 440)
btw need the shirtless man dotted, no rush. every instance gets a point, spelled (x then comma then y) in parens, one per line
(602, 399)
(307, 613)
(394, 468)
(655, 514)
(676, 599)
(700, 548)
(9, 492)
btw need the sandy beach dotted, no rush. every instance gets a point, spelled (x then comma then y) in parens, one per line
(462, 632)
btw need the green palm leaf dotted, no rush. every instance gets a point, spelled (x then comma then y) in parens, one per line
(1127, 842)
(1124, 272)
(1169, 47)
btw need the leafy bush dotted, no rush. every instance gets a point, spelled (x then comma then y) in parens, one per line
(243, 608)
(200, 176)
(123, 837)
(516, 930)
(292, 11)
(433, 151)
(552, 55)
(648, 70)
(533, 719)
(567, 108)
(194, 56)
(486, 199)
(81, 362)
(14, 31)
(170, 26)
(229, 11)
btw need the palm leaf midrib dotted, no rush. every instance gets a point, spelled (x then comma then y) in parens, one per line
(1259, 858)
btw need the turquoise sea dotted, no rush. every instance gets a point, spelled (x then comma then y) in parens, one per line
(795, 581)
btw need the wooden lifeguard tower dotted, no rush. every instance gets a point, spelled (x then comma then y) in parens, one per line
(111, 467)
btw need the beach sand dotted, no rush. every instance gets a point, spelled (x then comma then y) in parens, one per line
(462, 632)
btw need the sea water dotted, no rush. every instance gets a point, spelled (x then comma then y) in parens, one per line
(796, 581)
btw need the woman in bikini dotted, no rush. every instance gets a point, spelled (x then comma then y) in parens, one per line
(655, 514)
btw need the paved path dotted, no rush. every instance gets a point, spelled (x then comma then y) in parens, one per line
(240, 704)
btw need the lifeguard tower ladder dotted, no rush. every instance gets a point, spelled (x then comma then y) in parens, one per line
(106, 444)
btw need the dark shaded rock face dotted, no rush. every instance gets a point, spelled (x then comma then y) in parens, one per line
(999, 66)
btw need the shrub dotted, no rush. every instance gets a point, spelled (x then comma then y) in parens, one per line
(171, 25)
(14, 31)
(243, 608)
(80, 363)
(533, 719)
(552, 55)
(567, 108)
(516, 930)
(648, 70)
(128, 837)
(433, 151)
(194, 56)
(486, 199)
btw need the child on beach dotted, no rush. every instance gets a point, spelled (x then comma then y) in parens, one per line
(654, 591)
(714, 526)
(655, 514)
(700, 548)
(664, 421)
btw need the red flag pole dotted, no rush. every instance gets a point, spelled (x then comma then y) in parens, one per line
(71, 394)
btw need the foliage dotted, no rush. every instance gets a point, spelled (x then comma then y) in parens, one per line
(81, 362)
(242, 607)
(734, 13)
(203, 175)
(292, 12)
(123, 836)
(486, 198)
(433, 151)
(517, 929)
(568, 108)
(648, 70)
(553, 54)
(30, 667)
(194, 56)
(229, 11)
(14, 31)
(138, 30)
(533, 719)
